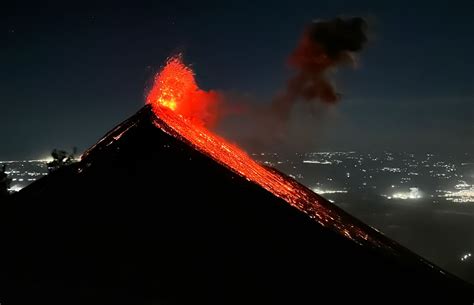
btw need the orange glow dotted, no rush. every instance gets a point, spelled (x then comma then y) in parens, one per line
(168, 102)
(175, 88)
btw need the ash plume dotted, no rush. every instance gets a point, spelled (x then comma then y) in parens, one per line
(324, 46)
(286, 122)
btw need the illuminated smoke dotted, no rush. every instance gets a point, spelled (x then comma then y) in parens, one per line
(175, 88)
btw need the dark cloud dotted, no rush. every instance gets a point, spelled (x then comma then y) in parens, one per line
(324, 46)
(339, 35)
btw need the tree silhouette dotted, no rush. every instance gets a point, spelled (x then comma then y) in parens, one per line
(61, 158)
(4, 182)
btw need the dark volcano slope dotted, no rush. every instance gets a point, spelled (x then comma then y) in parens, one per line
(146, 219)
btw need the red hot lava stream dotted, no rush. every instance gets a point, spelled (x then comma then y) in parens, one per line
(179, 103)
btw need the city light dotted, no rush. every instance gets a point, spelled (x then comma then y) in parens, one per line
(461, 196)
(466, 257)
(317, 162)
(414, 193)
(15, 188)
(321, 191)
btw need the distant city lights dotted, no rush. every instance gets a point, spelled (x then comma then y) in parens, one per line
(461, 196)
(317, 162)
(414, 193)
(396, 173)
(321, 191)
(391, 169)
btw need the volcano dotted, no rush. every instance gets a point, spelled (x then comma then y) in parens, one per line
(163, 211)
(150, 217)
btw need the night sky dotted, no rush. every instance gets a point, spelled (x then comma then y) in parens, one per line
(70, 72)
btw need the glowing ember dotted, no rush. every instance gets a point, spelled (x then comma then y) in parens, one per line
(175, 88)
(168, 101)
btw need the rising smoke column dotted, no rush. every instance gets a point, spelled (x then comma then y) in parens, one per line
(324, 46)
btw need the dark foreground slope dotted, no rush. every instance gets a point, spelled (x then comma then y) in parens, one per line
(146, 219)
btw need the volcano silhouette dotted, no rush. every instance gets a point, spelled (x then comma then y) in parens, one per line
(146, 218)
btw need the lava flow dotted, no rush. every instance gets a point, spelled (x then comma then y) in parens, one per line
(173, 98)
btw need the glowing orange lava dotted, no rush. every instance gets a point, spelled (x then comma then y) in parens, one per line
(168, 101)
(175, 88)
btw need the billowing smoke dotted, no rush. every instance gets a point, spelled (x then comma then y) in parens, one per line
(324, 46)
(289, 121)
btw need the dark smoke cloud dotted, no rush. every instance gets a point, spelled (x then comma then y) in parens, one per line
(324, 46)
(289, 121)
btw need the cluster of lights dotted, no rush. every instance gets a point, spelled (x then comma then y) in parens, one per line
(414, 193)
(317, 162)
(462, 192)
(15, 188)
(465, 257)
(391, 169)
(461, 196)
(20, 176)
(325, 158)
(321, 191)
(462, 185)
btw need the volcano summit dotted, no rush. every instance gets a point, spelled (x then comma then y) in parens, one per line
(162, 211)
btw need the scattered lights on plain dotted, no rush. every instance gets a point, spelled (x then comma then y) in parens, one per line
(391, 169)
(460, 196)
(442, 180)
(414, 193)
(317, 162)
(322, 191)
